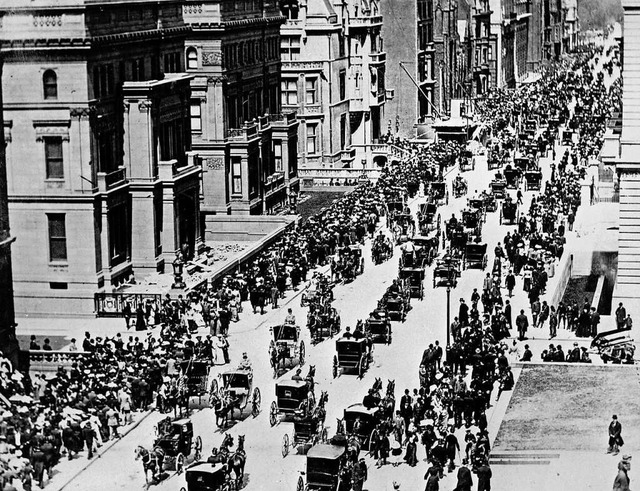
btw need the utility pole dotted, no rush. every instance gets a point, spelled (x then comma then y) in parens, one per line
(435, 110)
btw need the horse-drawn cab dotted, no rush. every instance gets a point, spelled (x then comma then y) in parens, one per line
(428, 217)
(439, 193)
(308, 427)
(378, 326)
(532, 180)
(446, 271)
(175, 438)
(381, 249)
(196, 373)
(352, 354)
(236, 392)
(475, 255)
(291, 395)
(509, 212)
(616, 346)
(426, 248)
(459, 186)
(360, 421)
(414, 276)
(326, 466)
(467, 162)
(478, 204)
(396, 300)
(204, 476)
(318, 291)
(472, 221)
(512, 177)
(567, 138)
(521, 162)
(323, 322)
(286, 346)
(353, 261)
(499, 188)
(403, 226)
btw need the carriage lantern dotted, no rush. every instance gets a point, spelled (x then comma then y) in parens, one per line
(178, 267)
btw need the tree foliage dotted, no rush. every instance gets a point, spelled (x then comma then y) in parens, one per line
(597, 14)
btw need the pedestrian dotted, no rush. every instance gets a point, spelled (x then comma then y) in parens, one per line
(615, 436)
(432, 480)
(484, 476)
(628, 322)
(522, 323)
(411, 454)
(141, 324)
(507, 313)
(88, 435)
(510, 282)
(359, 475)
(33, 345)
(535, 312)
(73, 346)
(124, 399)
(595, 320)
(621, 482)
(127, 313)
(571, 217)
(438, 353)
(463, 313)
(452, 446)
(553, 323)
(465, 481)
(113, 421)
(383, 448)
(621, 316)
(519, 196)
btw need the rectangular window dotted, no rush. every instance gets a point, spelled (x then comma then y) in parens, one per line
(118, 221)
(312, 138)
(290, 48)
(343, 131)
(341, 47)
(277, 156)
(236, 175)
(289, 92)
(343, 85)
(53, 157)
(310, 89)
(196, 116)
(57, 237)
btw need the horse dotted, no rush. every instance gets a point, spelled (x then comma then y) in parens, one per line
(222, 407)
(237, 461)
(309, 378)
(319, 412)
(277, 357)
(152, 460)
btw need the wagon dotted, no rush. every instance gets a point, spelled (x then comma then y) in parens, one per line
(353, 355)
(475, 256)
(204, 476)
(306, 431)
(532, 180)
(509, 212)
(490, 203)
(238, 385)
(360, 422)
(353, 261)
(325, 466)
(290, 395)
(320, 293)
(512, 177)
(439, 192)
(288, 345)
(175, 438)
(378, 327)
(415, 278)
(396, 303)
(402, 227)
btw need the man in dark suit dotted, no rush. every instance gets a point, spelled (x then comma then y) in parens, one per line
(465, 481)
(406, 408)
(484, 477)
(615, 436)
(522, 323)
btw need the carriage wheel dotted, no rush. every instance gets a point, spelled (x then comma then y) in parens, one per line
(300, 486)
(335, 366)
(255, 410)
(285, 445)
(361, 367)
(302, 353)
(179, 463)
(183, 489)
(273, 413)
(198, 448)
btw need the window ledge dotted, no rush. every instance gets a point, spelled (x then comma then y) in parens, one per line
(59, 263)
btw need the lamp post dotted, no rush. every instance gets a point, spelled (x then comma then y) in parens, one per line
(448, 316)
(178, 267)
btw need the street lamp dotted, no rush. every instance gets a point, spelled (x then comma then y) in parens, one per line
(448, 316)
(178, 267)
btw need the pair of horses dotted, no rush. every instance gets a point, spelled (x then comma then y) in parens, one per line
(223, 405)
(234, 461)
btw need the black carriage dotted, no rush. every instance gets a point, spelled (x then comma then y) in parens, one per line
(409, 258)
(237, 385)
(352, 355)
(415, 281)
(498, 188)
(325, 466)
(353, 261)
(439, 193)
(567, 138)
(307, 431)
(396, 302)
(323, 323)
(458, 239)
(512, 177)
(472, 221)
(197, 374)
(290, 396)
(359, 421)
(288, 345)
(395, 206)
(381, 249)
(532, 180)
(378, 327)
(522, 163)
(176, 439)
(467, 162)
(426, 248)
(509, 212)
(459, 187)
(446, 272)
(402, 227)
(428, 218)
(475, 255)
(490, 202)
(318, 292)
(204, 476)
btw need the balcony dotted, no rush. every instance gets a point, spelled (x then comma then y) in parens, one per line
(377, 58)
(302, 66)
(348, 154)
(365, 21)
(273, 183)
(113, 180)
(247, 132)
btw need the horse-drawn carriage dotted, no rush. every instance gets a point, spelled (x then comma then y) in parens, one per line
(428, 218)
(498, 188)
(396, 301)
(475, 255)
(446, 271)
(459, 186)
(479, 204)
(509, 212)
(196, 373)
(381, 249)
(532, 180)
(512, 177)
(414, 276)
(323, 322)
(426, 248)
(616, 346)
(205, 476)
(472, 221)
(403, 226)
(458, 239)
(409, 258)
(360, 421)
(308, 428)
(326, 468)
(319, 291)
(291, 395)
(352, 261)
(352, 354)
(522, 163)
(176, 439)
(439, 193)
(236, 391)
(377, 327)
(286, 347)
(567, 138)
(467, 162)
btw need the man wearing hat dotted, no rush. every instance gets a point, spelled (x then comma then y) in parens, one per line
(621, 482)
(88, 435)
(615, 436)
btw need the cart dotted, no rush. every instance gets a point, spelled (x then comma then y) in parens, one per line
(532, 180)
(175, 438)
(287, 345)
(237, 385)
(290, 395)
(415, 278)
(360, 422)
(439, 193)
(475, 256)
(353, 355)
(203, 476)
(378, 327)
(509, 212)
(326, 465)
(307, 430)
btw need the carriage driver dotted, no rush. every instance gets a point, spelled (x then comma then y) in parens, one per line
(245, 363)
(290, 319)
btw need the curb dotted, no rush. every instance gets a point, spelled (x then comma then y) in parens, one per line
(101, 451)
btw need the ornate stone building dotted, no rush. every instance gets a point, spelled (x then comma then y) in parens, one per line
(101, 180)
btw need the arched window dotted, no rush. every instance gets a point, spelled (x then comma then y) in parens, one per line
(192, 58)
(50, 84)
